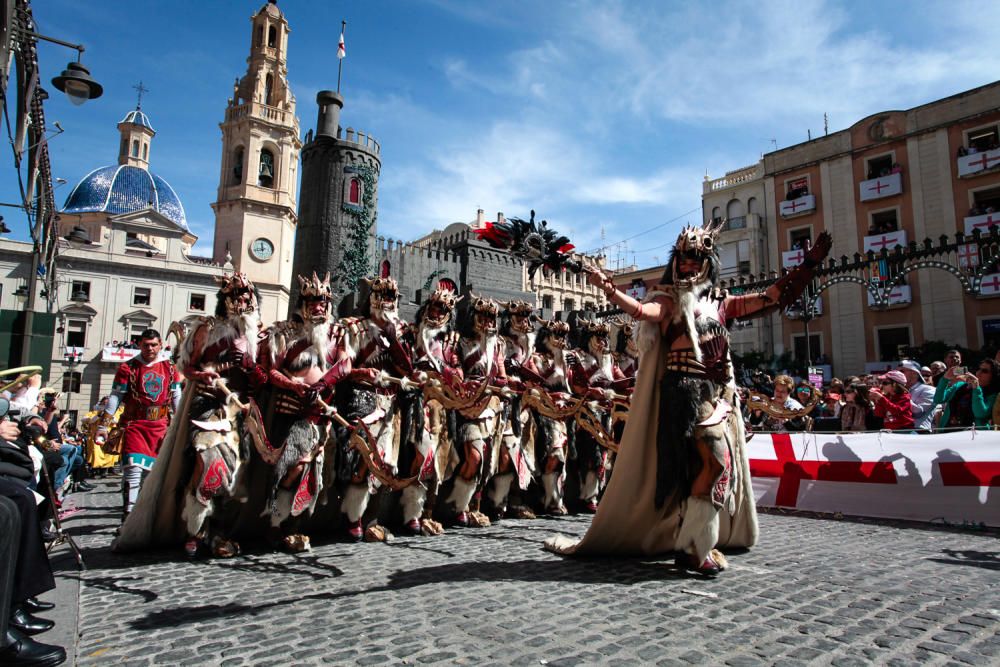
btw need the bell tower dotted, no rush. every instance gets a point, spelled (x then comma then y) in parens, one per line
(255, 215)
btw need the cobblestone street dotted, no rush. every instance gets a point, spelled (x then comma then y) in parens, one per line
(816, 591)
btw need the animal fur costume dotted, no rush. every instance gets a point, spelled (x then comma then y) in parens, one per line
(373, 341)
(203, 457)
(685, 395)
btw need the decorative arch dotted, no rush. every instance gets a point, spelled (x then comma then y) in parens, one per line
(900, 277)
(272, 37)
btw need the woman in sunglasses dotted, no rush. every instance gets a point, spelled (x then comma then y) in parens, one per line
(892, 402)
(969, 398)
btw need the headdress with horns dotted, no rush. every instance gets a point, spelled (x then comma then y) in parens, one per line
(314, 288)
(446, 300)
(697, 243)
(230, 289)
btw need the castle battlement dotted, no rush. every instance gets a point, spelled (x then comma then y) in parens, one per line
(366, 141)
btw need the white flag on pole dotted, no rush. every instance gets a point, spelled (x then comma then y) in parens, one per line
(341, 51)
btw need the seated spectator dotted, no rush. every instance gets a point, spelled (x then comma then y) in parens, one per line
(856, 409)
(968, 398)
(892, 402)
(921, 395)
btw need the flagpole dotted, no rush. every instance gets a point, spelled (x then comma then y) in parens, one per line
(340, 63)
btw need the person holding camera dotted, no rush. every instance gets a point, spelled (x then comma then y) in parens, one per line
(149, 388)
(24, 565)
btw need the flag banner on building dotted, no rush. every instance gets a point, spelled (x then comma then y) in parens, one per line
(791, 258)
(888, 241)
(797, 206)
(982, 223)
(897, 295)
(116, 354)
(880, 270)
(977, 162)
(968, 255)
(990, 285)
(341, 48)
(953, 477)
(883, 186)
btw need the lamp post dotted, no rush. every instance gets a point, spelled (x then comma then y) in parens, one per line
(72, 357)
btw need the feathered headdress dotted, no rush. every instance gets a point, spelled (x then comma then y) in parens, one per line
(537, 244)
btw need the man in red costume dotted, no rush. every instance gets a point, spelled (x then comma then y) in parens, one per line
(150, 388)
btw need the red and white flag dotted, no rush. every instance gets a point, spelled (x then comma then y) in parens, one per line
(341, 50)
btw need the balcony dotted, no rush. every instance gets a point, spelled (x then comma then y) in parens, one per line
(982, 223)
(791, 208)
(881, 187)
(887, 241)
(977, 163)
(899, 296)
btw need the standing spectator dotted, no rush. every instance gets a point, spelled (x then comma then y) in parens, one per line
(857, 407)
(892, 402)
(952, 358)
(937, 372)
(969, 398)
(921, 395)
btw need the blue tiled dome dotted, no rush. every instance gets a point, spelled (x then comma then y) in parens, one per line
(137, 117)
(120, 189)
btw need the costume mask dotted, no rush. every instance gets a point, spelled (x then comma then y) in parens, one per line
(316, 296)
(520, 316)
(237, 294)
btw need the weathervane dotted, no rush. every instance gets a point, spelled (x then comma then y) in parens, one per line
(140, 89)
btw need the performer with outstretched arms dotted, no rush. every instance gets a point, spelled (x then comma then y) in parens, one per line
(150, 389)
(682, 478)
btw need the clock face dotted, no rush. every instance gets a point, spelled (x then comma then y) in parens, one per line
(262, 249)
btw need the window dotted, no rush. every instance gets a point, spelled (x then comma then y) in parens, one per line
(142, 296)
(800, 238)
(984, 139)
(272, 37)
(569, 304)
(985, 201)
(145, 151)
(79, 291)
(879, 166)
(196, 302)
(716, 214)
(268, 89)
(884, 222)
(135, 148)
(71, 382)
(135, 332)
(238, 166)
(260, 35)
(265, 176)
(589, 306)
(801, 352)
(753, 206)
(796, 187)
(76, 333)
(547, 302)
(354, 192)
(891, 341)
(734, 209)
(744, 267)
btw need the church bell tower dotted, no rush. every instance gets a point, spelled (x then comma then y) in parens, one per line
(255, 215)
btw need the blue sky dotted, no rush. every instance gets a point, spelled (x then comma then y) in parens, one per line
(596, 113)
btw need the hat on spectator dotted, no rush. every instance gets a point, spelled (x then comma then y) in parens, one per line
(911, 365)
(895, 376)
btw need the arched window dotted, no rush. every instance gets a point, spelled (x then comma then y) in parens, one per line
(260, 35)
(386, 268)
(135, 148)
(238, 165)
(145, 151)
(734, 209)
(753, 205)
(268, 89)
(265, 176)
(716, 213)
(272, 37)
(354, 194)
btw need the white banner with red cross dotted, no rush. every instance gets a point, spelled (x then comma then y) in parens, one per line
(792, 258)
(879, 242)
(953, 477)
(977, 162)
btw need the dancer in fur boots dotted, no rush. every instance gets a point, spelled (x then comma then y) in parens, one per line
(219, 359)
(426, 428)
(682, 477)
(374, 345)
(481, 351)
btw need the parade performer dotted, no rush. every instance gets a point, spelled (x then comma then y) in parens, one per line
(515, 458)
(481, 351)
(682, 480)
(597, 376)
(149, 388)
(626, 353)
(552, 363)
(426, 428)
(302, 364)
(218, 357)
(99, 455)
(373, 346)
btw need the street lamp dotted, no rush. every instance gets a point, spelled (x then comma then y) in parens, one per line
(77, 83)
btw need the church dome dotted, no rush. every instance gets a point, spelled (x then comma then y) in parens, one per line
(137, 117)
(118, 189)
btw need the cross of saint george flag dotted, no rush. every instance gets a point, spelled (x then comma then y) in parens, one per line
(341, 51)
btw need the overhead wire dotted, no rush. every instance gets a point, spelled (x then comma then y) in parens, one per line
(600, 249)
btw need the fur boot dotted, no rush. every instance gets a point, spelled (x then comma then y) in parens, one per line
(499, 488)
(552, 484)
(414, 497)
(461, 494)
(699, 530)
(589, 487)
(355, 501)
(282, 506)
(195, 514)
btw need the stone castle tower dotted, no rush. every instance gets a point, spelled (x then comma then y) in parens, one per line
(338, 211)
(255, 215)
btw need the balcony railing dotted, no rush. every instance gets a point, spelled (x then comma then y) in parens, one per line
(981, 222)
(798, 206)
(881, 187)
(976, 163)
(887, 241)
